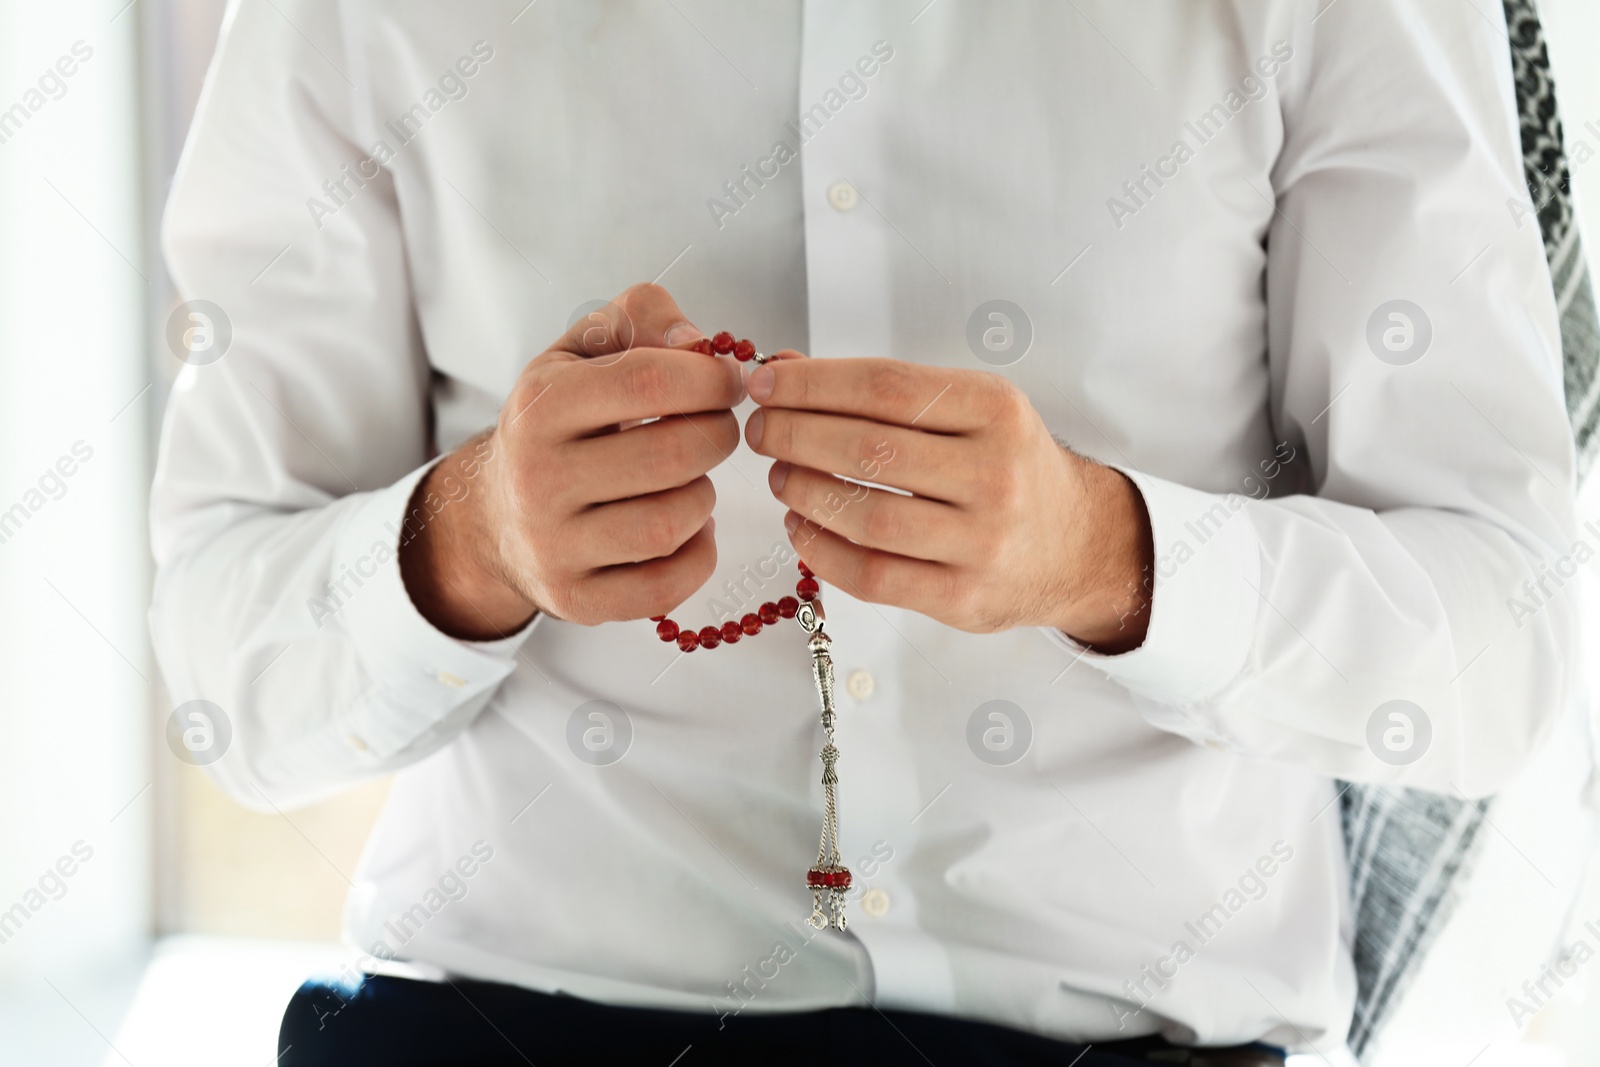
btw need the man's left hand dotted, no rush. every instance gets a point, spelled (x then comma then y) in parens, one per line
(996, 525)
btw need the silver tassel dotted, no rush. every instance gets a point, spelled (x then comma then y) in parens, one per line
(829, 877)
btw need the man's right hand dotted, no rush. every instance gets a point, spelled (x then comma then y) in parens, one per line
(570, 505)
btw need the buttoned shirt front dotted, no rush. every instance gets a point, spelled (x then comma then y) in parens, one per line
(1272, 261)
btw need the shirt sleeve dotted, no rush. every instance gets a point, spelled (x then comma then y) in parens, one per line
(287, 466)
(1413, 345)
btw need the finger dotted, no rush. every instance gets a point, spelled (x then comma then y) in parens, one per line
(669, 452)
(646, 527)
(905, 525)
(869, 574)
(939, 399)
(927, 464)
(776, 357)
(642, 316)
(654, 587)
(575, 397)
(746, 369)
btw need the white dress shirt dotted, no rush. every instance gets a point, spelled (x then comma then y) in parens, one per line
(397, 205)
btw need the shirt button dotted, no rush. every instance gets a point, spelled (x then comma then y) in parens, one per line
(860, 684)
(843, 196)
(356, 742)
(875, 903)
(454, 681)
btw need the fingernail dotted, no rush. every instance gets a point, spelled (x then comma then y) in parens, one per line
(791, 522)
(753, 427)
(711, 524)
(683, 333)
(760, 383)
(779, 475)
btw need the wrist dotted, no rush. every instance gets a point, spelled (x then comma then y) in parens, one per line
(1112, 557)
(447, 557)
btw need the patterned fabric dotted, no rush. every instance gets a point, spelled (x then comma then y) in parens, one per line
(1544, 166)
(1409, 850)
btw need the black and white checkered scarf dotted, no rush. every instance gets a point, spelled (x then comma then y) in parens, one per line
(1409, 850)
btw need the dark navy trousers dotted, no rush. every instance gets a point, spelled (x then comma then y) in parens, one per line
(397, 1022)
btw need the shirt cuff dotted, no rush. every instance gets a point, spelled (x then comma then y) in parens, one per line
(1203, 605)
(418, 675)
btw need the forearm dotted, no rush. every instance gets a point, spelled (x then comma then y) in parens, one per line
(446, 557)
(1289, 629)
(1107, 607)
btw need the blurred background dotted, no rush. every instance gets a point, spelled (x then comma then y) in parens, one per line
(159, 923)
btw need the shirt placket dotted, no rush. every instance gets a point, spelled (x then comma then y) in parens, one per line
(849, 277)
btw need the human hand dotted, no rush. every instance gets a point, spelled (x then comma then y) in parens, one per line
(571, 506)
(998, 527)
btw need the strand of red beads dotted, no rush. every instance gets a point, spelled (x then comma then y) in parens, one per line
(730, 632)
(723, 344)
(828, 877)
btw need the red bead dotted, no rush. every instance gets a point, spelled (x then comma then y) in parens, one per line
(805, 572)
(838, 878)
(710, 636)
(688, 641)
(703, 346)
(788, 606)
(731, 632)
(750, 624)
(769, 612)
(657, 618)
(807, 589)
(722, 343)
(667, 630)
(744, 351)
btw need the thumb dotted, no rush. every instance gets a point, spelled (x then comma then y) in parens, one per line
(658, 322)
(642, 316)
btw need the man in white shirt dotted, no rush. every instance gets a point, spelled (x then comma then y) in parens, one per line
(1260, 266)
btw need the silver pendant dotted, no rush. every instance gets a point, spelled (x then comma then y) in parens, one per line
(829, 878)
